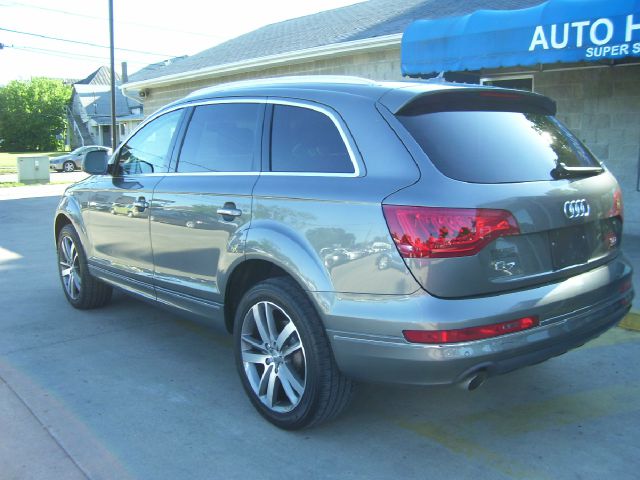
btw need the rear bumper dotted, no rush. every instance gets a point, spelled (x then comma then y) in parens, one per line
(571, 313)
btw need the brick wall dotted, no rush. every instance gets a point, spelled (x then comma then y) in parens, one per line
(602, 107)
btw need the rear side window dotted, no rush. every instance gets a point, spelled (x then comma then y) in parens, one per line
(496, 147)
(305, 140)
(222, 138)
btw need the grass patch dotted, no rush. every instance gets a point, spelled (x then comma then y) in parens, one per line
(8, 159)
(20, 184)
(631, 322)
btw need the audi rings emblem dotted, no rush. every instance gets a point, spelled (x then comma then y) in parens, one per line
(577, 208)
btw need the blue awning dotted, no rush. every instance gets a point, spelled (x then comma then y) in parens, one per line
(554, 31)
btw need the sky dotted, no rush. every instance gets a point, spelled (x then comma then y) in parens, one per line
(145, 31)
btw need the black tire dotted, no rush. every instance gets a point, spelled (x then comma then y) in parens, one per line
(326, 392)
(68, 166)
(83, 291)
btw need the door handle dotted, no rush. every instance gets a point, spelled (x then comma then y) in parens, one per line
(141, 204)
(229, 212)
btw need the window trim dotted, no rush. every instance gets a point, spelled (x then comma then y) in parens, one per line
(337, 122)
(335, 118)
(178, 134)
(175, 159)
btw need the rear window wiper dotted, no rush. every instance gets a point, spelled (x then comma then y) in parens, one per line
(562, 171)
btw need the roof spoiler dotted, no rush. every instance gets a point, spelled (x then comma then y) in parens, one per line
(468, 99)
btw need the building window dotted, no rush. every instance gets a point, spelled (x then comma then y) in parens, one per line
(518, 82)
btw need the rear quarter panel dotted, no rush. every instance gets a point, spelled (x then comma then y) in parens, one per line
(329, 231)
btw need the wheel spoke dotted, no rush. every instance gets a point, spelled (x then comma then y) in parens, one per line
(260, 323)
(254, 343)
(271, 324)
(254, 357)
(65, 272)
(291, 349)
(76, 281)
(285, 334)
(291, 379)
(271, 389)
(66, 249)
(290, 386)
(73, 255)
(264, 380)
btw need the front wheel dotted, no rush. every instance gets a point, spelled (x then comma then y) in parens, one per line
(82, 290)
(68, 166)
(284, 358)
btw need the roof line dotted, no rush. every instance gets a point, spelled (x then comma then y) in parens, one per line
(271, 60)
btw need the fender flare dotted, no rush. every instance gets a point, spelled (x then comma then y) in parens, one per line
(70, 209)
(273, 242)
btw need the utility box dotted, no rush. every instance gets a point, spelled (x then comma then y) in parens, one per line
(33, 169)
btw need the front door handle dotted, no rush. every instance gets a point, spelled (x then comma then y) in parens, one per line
(141, 204)
(229, 211)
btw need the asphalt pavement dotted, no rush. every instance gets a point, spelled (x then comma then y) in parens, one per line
(130, 391)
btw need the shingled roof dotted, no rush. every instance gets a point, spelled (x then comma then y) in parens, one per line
(366, 20)
(101, 76)
(96, 100)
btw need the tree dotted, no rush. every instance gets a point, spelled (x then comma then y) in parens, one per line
(33, 114)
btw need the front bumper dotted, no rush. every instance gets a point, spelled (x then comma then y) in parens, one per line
(367, 341)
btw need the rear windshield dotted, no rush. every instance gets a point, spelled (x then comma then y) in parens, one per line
(496, 147)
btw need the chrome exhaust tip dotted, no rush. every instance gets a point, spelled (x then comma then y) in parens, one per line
(473, 381)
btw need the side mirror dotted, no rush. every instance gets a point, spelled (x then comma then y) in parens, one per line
(95, 163)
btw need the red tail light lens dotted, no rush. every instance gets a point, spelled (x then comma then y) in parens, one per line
(446, 232)
(617, 209)
(471, 333)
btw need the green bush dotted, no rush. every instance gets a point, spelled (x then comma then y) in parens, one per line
(33, 114)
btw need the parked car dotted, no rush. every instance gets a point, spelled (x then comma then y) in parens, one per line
(503, 231)
(73, 160)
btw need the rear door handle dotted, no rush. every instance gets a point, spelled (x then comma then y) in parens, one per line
(229, 211)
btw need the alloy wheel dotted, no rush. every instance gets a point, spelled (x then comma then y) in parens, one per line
(273, 357)
(70, 267)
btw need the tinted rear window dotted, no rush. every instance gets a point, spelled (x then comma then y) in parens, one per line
(304, 140)
(496, 147)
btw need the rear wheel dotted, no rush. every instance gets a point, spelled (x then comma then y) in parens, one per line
(284, 358)
(68, 166)
(82, 290)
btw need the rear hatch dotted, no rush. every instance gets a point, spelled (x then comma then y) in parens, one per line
(508, 196)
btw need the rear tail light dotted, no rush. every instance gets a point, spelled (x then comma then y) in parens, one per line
(471, 333)
(617, 209)
(446, 232)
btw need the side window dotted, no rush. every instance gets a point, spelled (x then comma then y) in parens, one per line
(305, 140)
(223, 137)
(148, 150)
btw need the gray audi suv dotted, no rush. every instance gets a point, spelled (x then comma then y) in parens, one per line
(348, 230)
